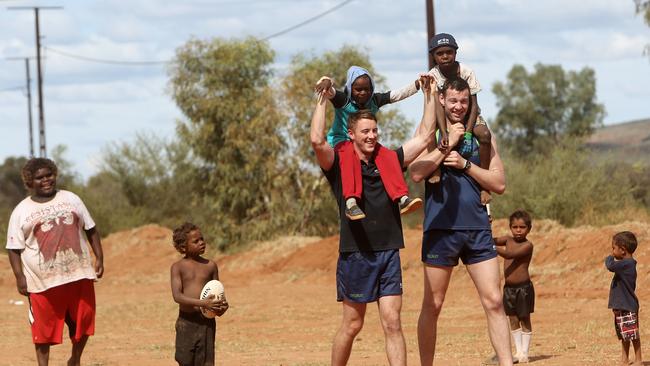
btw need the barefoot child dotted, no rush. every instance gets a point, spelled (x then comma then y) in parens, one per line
(195, 334)
(518, 291)
(360, 94)
(622, 299)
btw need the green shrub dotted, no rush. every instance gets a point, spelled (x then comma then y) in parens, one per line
(566, 185)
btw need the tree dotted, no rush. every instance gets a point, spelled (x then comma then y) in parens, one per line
(67, 178)
(643, 7)
(233, 128)
(540, 109)
(298, 91)
(157, 178)
(12, 189)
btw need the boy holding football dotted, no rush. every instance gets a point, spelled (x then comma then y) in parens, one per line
(195, 334)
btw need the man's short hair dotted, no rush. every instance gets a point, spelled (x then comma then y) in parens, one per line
(32, 166)
(180, 236)
(456, 84)
(522, 214)
(360, 114)
(626, 240)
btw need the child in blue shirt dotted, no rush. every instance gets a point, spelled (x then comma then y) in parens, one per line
(622, 299)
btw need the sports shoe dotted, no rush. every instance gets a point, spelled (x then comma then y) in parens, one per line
(409, 205)
(354, 213)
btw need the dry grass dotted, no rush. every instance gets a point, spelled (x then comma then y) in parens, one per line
(283, 313)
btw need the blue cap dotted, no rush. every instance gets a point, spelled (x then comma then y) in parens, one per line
(442, 39)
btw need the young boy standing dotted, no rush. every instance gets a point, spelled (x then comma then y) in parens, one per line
(622, 299)
(195, 334)
(518, 291)
(50, 237)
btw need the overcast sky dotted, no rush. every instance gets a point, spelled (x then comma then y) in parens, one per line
(89, 105)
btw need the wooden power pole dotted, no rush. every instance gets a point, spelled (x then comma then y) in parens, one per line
(39, 73)
(431, 29)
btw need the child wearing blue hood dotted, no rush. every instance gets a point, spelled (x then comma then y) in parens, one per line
(359, 94)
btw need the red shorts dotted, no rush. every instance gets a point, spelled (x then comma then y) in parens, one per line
(72, 303)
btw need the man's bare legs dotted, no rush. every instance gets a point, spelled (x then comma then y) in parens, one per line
(389, 314)
(353, 314)
(487, 281)
(43, 354)
(436, 282)
(77, 350)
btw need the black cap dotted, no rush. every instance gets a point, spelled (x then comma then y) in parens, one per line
(442, 39)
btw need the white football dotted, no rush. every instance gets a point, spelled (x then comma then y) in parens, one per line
(215, 288)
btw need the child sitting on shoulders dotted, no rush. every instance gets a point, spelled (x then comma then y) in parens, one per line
(622, 299)
(443, 48)
(359, 93)
(518, 291)
(195, 334)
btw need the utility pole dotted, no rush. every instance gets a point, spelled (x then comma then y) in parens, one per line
(29, 103)
(41, 114)
(431, 29)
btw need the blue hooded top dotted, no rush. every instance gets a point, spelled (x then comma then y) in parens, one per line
(339, 130)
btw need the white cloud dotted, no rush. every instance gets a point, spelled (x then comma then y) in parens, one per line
(90, 104)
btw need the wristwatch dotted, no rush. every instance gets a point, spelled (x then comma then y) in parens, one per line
(468, 164)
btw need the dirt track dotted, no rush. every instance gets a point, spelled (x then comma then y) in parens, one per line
(283, 309)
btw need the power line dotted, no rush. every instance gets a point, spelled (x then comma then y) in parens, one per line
(307, 21)
(149, 63)
(14, 88)
(104, 61)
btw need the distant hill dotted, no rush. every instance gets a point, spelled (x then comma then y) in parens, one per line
(629, 141)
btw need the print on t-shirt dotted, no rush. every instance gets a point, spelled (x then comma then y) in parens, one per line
(56, 229)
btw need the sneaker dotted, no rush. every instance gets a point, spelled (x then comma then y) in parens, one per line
(409, 205)
(354, 213)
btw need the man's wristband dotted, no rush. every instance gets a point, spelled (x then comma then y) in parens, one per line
(468, 164)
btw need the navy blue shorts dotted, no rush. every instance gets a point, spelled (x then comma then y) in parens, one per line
(366, 276)
(444, 247)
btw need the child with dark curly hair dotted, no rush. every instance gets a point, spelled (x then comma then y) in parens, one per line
(195, 334)
(50, 237)
(622, 299)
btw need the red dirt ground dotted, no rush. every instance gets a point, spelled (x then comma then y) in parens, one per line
(283, 308)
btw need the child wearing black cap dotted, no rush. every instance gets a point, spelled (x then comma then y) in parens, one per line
(443, 48)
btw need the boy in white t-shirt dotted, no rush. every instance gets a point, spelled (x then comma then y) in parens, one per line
(48, 240)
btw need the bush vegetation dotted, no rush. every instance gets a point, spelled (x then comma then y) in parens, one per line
(241, 165)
